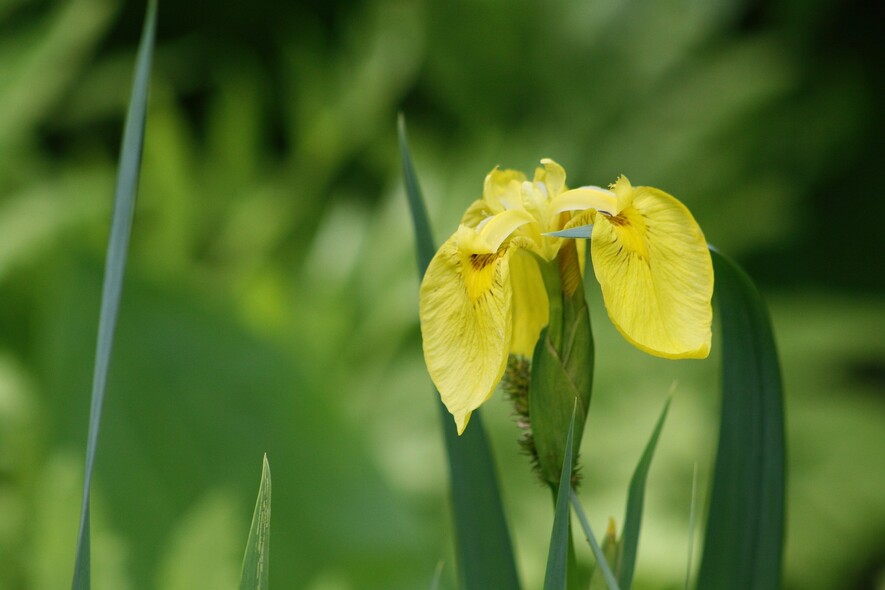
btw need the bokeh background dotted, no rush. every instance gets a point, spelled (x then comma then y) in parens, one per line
(271, 297)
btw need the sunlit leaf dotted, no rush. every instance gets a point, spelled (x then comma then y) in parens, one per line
(256, 561)
(635, 501)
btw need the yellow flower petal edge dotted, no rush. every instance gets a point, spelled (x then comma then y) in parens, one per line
(465, 307)
(652, 262)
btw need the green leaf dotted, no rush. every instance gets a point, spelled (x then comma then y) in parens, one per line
(598, 553)
(610, 549)
(483, 548)
(423, 235)
(437, 575)
(743, 546)
(635, 500)
(692, 512)
(256, 561)
(118, 246)
(581, 231)
(557, 558)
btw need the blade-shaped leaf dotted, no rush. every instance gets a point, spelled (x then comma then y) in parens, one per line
(743, 546)
(611, 548)
(601, 561)
(256, 561)
(581, 231)
(118, 246)
(692, 512)
(483, 548)
(557, 558)
(635, 501)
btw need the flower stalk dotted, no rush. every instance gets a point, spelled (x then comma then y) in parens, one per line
(562, 367)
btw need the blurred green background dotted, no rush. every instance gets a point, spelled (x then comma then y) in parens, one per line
(271, 298)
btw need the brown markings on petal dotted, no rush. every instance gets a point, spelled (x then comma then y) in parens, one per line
(480, 261)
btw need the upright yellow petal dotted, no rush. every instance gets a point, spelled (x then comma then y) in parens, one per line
(530, 306)
(656, 273)
(501, 189)
(465, 309)
(476, 212)
(551, 176)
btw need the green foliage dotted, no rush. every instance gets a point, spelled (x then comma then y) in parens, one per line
(556, 577)
(256, 562)
(743, 545)
(270, 294)
(562, 372)
(635, 502)
(118, 247)
(482, 540)
(602, 565)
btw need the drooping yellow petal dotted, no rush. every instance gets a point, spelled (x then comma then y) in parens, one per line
(530, 306)
(656, 274)
(465, 309)
(494, 230)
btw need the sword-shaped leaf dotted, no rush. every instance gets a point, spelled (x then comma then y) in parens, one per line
(743, 546)
(483, 548)
(115, 265)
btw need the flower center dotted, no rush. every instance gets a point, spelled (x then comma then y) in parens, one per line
(480, 272)
(480, 261)
(631, 229)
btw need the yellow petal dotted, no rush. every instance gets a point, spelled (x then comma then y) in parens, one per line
(501, 189)
(585, 197)
(476, 212)
(551, 176)
(494, 230)
(530, 307)
(465, 309)
(656, 274)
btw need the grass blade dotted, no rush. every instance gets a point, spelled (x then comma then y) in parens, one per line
(256, 561)
(601, 561)
(423, 235)
(556, 576)
(692, 515)
(743, 546)
(483, 547)
(437, 575)
(635, 501)
(115, 264)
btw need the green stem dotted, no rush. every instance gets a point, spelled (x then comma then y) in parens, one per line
(553, 285)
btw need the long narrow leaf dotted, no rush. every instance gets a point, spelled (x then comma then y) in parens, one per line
(556, 577)
(691, 524)
(483, 547)
(118, 246)
(743, 546)
(635, 501)
(257, 557)
(601, 561)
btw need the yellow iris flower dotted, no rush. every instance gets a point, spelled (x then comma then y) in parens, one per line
(483, 296)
